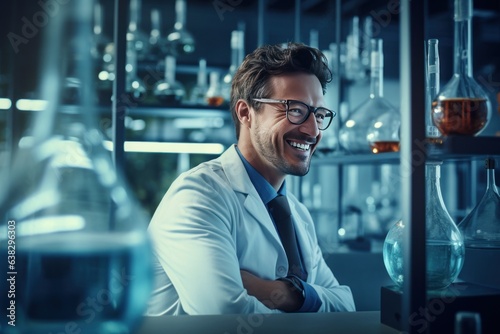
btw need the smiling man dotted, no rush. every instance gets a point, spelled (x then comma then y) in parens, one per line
(227, 236)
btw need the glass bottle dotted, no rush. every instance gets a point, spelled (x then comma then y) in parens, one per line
(180, 40)
(198, 94)
(82, 261)
(481, 227)
(169, 91)
(461, 107)
(432, 86)
(444, 243)
(353, 134)
(237, 44)
(214, 96)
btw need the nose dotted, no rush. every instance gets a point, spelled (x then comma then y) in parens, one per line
(310, 126)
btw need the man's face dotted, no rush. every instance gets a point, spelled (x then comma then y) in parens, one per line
(282, 148)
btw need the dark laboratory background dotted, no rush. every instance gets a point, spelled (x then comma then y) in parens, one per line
(354, 203)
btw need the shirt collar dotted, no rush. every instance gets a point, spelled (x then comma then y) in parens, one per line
(264, 188)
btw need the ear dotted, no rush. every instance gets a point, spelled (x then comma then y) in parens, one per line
(243, 112)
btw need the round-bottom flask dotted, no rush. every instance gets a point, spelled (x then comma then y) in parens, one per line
(461, 107)
(481, 227)
(444, 243)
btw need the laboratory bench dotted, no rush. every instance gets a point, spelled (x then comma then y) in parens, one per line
(317, 323)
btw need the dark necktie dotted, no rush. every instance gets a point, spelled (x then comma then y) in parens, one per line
(280, 211)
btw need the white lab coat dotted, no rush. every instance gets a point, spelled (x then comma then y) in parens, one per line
(210, 224)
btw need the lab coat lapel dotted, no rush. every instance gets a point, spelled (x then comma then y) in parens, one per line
(240, 182)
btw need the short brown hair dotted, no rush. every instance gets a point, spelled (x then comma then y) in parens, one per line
(252, 77)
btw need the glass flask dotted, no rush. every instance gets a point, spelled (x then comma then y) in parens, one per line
(444, 244)
(214, 96)
(432, 88)
(79, 252)
(353, 67)
(136, 36)
(158, 49)
(169, 91)
(383, 134)
(461, 107)
(237, 47)
(200, 89)
(481, 227)
(179, 40)
(354, 131)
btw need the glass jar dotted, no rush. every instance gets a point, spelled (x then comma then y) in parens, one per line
(481, 227)
(461, 107)
(444, 243)
(79, 254)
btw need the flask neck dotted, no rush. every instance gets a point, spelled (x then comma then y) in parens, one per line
(170, 67)
(236, 50)
(376, 69)
(433, 68)
(67, 85)
(490, 180)
(462, 64)
(433, 185)
(180, 14)
(377, 82)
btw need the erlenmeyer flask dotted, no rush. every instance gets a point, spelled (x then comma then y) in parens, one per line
(169, 91)
(444, 243)
(82, 261)
(180, 40)
(481, 227)
(461, 107)
(354, 131)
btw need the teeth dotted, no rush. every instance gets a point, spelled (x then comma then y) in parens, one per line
(304, 147)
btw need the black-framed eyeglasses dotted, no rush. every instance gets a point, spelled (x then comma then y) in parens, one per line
(298, 112)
